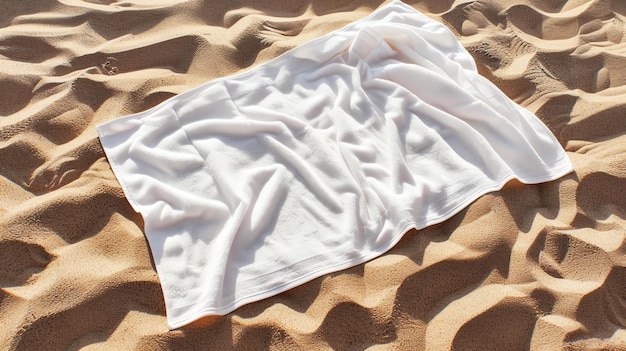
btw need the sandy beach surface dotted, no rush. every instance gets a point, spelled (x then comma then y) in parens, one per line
(530, 267)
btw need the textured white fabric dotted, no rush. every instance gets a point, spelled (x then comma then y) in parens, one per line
(318, 160)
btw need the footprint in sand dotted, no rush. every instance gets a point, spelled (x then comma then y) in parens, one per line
(602, 36)
(21, 261)
(582, 255)
(110, 66)
(475, 17)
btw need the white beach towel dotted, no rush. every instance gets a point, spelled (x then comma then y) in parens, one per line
(318, 160)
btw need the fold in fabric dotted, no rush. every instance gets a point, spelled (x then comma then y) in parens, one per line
(318, 160)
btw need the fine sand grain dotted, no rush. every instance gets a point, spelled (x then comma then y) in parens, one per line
(531, 267)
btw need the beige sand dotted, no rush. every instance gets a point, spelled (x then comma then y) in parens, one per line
(539, 267)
